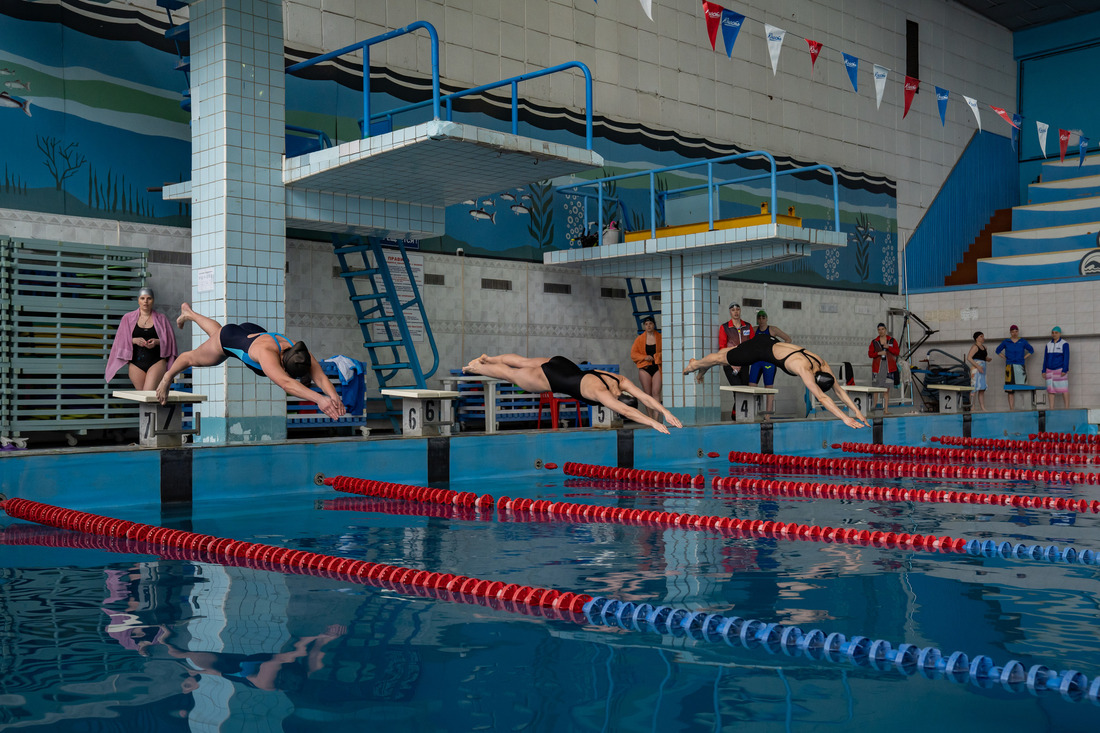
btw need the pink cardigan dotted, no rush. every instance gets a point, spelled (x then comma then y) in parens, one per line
(123, 348)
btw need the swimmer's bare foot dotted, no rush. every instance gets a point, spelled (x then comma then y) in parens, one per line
(185, 315)
(475, 364)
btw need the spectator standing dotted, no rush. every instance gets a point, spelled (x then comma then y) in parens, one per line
(884, 346)
(1056, 367)
(763, 368)
(646, 355)
(1015, 351)
(734, 333)
(978, 361)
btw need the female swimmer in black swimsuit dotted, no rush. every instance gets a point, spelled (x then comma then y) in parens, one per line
(558, 374)
(808, 366)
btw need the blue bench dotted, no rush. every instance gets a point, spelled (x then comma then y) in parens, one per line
(302, 414)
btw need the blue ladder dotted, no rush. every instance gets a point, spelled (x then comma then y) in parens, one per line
(646, 296)
(179, 35)
(393, 353)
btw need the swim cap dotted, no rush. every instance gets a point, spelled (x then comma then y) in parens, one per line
(824, 380)
(146, 291)
(296, 361)
(761, 313)
(1056, 328)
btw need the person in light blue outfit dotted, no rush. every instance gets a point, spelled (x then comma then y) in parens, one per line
(1015, 351)
(1056, 367)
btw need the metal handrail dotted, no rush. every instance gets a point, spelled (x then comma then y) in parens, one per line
(365, 47)
(711, 186)
(438, 101)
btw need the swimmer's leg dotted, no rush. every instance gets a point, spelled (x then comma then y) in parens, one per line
(209, 325)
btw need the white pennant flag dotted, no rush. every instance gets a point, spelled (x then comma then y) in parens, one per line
(880, 84)
(1042, 128)
(647, 6)
(974, 108)
(775, 42)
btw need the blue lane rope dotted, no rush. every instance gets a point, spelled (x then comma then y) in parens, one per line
(1020, 551)
(835, 647)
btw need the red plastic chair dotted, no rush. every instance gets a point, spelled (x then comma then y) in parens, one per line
(549, 398)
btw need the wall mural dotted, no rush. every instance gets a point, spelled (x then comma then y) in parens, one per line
(92, 120)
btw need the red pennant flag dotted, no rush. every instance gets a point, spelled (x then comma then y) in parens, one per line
(1004, 116)
(815, 49)
(713, 13)
(1063, 141)
(911, 86)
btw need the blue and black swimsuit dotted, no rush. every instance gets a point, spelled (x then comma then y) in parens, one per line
(236, 339)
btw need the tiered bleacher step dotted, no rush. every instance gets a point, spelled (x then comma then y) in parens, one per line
(966, 273)
(1055, 235)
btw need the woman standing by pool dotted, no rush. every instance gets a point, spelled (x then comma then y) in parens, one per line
(978, 359)
(145, 341)
(646, 355)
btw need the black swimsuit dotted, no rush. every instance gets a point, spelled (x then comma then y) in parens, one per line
(564, 376)
(651, 369)
(144, 358)
(759, 348)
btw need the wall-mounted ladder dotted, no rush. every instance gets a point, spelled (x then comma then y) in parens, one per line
(381, 309)
(642, 300)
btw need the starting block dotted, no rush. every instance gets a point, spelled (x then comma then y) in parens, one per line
(746, 400)
(161, 426)
(423, 411)
(1027, 390)
(950, 395)
(861, 393)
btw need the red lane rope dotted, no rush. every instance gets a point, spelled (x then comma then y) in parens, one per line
(1017, 445)
(228, 551)
(849, 466)
(966, 454)
(806, 489)
(555, 511)
(1066, 437)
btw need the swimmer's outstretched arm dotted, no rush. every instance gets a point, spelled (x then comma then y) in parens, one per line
(639, 394)
(827, 402)
(612, 403)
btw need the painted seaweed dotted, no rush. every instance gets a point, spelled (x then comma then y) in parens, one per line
(541, 227)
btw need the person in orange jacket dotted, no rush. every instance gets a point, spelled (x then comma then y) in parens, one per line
(646, 354)
(884, 346)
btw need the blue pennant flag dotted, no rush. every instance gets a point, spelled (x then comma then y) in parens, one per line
(1083, 146)
(1017, 120)
(941, 100)
(851, 63)
(731, 26)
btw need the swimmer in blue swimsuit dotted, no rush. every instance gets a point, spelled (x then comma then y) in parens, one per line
(807, 366)
(284, 362)
(558, 374)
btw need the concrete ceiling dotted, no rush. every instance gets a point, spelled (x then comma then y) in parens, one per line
(1018, 15)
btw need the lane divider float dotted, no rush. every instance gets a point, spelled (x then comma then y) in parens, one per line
(852, 466)
(966, 455)
(730, 526)
(1016, 445)
(229, 550)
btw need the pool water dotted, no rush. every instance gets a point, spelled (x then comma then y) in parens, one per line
(97, 640)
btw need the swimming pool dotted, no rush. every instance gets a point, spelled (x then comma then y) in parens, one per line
(95, 639)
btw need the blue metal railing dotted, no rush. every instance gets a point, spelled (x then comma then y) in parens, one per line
(983, 180)
(440, 102)
(711, 186)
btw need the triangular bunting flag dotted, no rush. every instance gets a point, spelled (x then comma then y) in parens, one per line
(942, 96)
(1083, 146)
(1063, 143)
(731, 26)
(815, 49)
(974, 108)
(1017, 120)
(1041, 128)
(713, 14)
(880, 83)
(911, 87)
(647, 6)
(851, 63)
(1003, 115)
(775, 43)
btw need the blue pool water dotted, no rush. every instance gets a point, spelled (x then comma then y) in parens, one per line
(93, 640)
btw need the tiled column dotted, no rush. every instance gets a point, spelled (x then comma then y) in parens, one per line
(238, 224)
(688, 304)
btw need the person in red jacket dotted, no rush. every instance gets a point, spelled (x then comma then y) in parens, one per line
(734, 333)
(884, 346)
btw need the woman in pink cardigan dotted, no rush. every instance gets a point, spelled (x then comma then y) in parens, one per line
(145, 342)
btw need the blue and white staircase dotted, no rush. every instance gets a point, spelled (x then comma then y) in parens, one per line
(1056, 235)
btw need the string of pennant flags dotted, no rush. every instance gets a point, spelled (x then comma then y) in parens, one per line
(729, 22)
